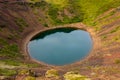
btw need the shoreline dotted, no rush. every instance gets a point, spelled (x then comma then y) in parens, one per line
(26, 40)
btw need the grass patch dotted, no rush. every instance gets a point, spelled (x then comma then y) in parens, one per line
(7, 72)
(53, 13)
(32, 65)
(58, 3)
(18, 63)
(92, 8)
(3, 41)
(115, 29)
(21, 23)
(85, 11)
(33, 1)
(12, 62)
(38, 4)
(10, 50)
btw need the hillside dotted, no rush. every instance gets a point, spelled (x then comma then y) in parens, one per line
(21, 18)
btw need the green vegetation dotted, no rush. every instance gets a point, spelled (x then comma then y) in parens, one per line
(53, 13)
(115, 29)
(46, 25)
(21, 23)
(58, 3)
(93, 8)
(38, 4)
(52, 73)
(57, 12)
(84, 10)
(3, 41)
(30, 78)
(12, 62)
(117, 61)
(23, 72)
(74, 76)
(7, 72)
(31, 65)
(72, 11)
(10, 50)
(108, 15)
(33, 1)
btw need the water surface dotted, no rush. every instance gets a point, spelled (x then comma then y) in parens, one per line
(61, 46)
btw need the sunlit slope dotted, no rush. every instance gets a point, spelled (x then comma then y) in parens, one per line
(19, 19)
(90, 9)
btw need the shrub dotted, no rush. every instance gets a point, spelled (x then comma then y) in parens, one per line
(45, 24)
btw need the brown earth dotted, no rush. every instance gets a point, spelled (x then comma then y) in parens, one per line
(101, 64)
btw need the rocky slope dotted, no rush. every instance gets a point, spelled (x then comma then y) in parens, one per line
(20, 18)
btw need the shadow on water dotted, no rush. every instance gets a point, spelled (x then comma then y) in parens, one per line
(60, 46)
(41, 35)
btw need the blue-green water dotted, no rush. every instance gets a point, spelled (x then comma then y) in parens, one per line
(60, 47)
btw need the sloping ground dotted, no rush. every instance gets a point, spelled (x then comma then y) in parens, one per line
(17, 21)
(110, 35)
(108, 29)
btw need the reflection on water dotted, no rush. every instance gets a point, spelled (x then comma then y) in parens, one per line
(61, 48)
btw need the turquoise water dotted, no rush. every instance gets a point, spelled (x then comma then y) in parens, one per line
(61, 46)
